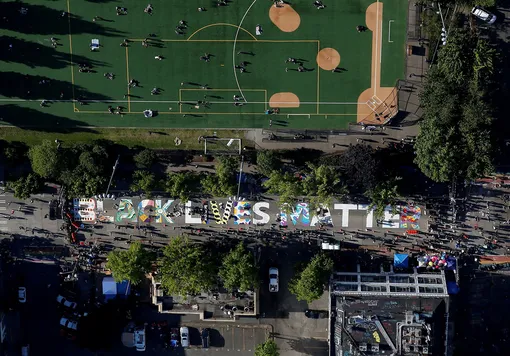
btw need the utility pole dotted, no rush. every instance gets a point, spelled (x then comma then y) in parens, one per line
(240, 177)
(113, 172)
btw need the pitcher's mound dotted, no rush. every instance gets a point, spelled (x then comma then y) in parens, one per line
(328, 58)
(285, 17)
(284, 100)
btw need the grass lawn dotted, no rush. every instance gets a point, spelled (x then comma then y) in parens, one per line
(156, 139)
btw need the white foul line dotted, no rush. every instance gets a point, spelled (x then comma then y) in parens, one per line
(234, 51)
(389, 30)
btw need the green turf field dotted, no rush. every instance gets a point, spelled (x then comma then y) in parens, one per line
(327, 99)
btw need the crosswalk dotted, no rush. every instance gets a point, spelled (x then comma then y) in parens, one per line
(3, 208)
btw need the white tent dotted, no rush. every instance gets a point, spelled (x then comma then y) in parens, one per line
(109, 288)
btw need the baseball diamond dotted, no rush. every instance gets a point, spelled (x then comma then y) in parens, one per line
(203, 64)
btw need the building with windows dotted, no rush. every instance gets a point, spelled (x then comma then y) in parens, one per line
(389, 313)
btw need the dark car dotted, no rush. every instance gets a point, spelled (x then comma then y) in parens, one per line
(316, 314)
(205, 338)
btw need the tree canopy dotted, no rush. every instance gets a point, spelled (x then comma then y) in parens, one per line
(267, 162)
(361, 168)
(308, 285)
(185, 268)
(287, 186)
(143, 181)
(181, 184)
(45, 159)
(455, 136)
(268, 348)
(238, 269)
(145, 159)
(25, 186)
(321, 184)
(223, 183)
(383, 195)
(132, 264)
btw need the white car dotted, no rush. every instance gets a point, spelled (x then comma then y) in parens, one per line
(22, 294)
(140, 339)
(66, 303)
(483, 14)
(69, 324)
(184, 336)
(273, 279)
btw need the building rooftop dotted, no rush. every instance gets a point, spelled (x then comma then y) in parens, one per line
(388, 313)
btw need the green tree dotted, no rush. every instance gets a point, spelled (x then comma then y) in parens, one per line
(45, 159)
(361, 167)
(145, 159)
(15, 152)
(181, 184)
(287, 186)
(143, 181)
(185, 268)
(132, 264)
(267, 162)
(455, 137)
(238, 269)
(25, 186)
(268, 348)
(383, 195)
(308, 285)
(322, 184)
(223, 183)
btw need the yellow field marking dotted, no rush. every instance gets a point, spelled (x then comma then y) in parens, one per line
(265, 99)
(260, 41)
(76, 109)
(221, 24)
(208, 113)
(71, 51)
(180, 101)
(127, 77)
(318, 75)
(211, 90)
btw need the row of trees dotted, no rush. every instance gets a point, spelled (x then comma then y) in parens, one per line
(84, 170)
(359, 171)
(455, 138)
(187, 268)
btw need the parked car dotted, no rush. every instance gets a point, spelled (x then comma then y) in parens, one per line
(25, 350)
(204, 333)
(22, 294)
(483, 15)
(69, 324)
(273, 279)
(316, 314)
(66, 303)
(184, 336)
(140, 339)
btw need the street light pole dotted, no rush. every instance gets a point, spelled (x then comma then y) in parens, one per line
(113, 172)
(240, 177)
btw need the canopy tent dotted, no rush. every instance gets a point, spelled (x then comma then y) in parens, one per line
(401, 260)
(109, 288)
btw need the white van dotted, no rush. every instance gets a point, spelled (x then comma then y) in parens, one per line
(140, 339)
(184, 336)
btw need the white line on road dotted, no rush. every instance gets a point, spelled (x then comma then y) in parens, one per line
(2, 201)
(4, 228)
(3, 222)
(3, 208)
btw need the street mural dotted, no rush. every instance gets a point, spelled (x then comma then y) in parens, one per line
(168, 211)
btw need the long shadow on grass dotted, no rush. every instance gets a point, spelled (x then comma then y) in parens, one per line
(35, 54)
(36, 87)
(42, 20)
(38, 120)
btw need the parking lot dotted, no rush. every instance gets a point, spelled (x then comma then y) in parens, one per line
(228, 339)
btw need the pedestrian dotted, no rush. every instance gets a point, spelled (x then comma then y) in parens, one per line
(159, 58)
(270, 123)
